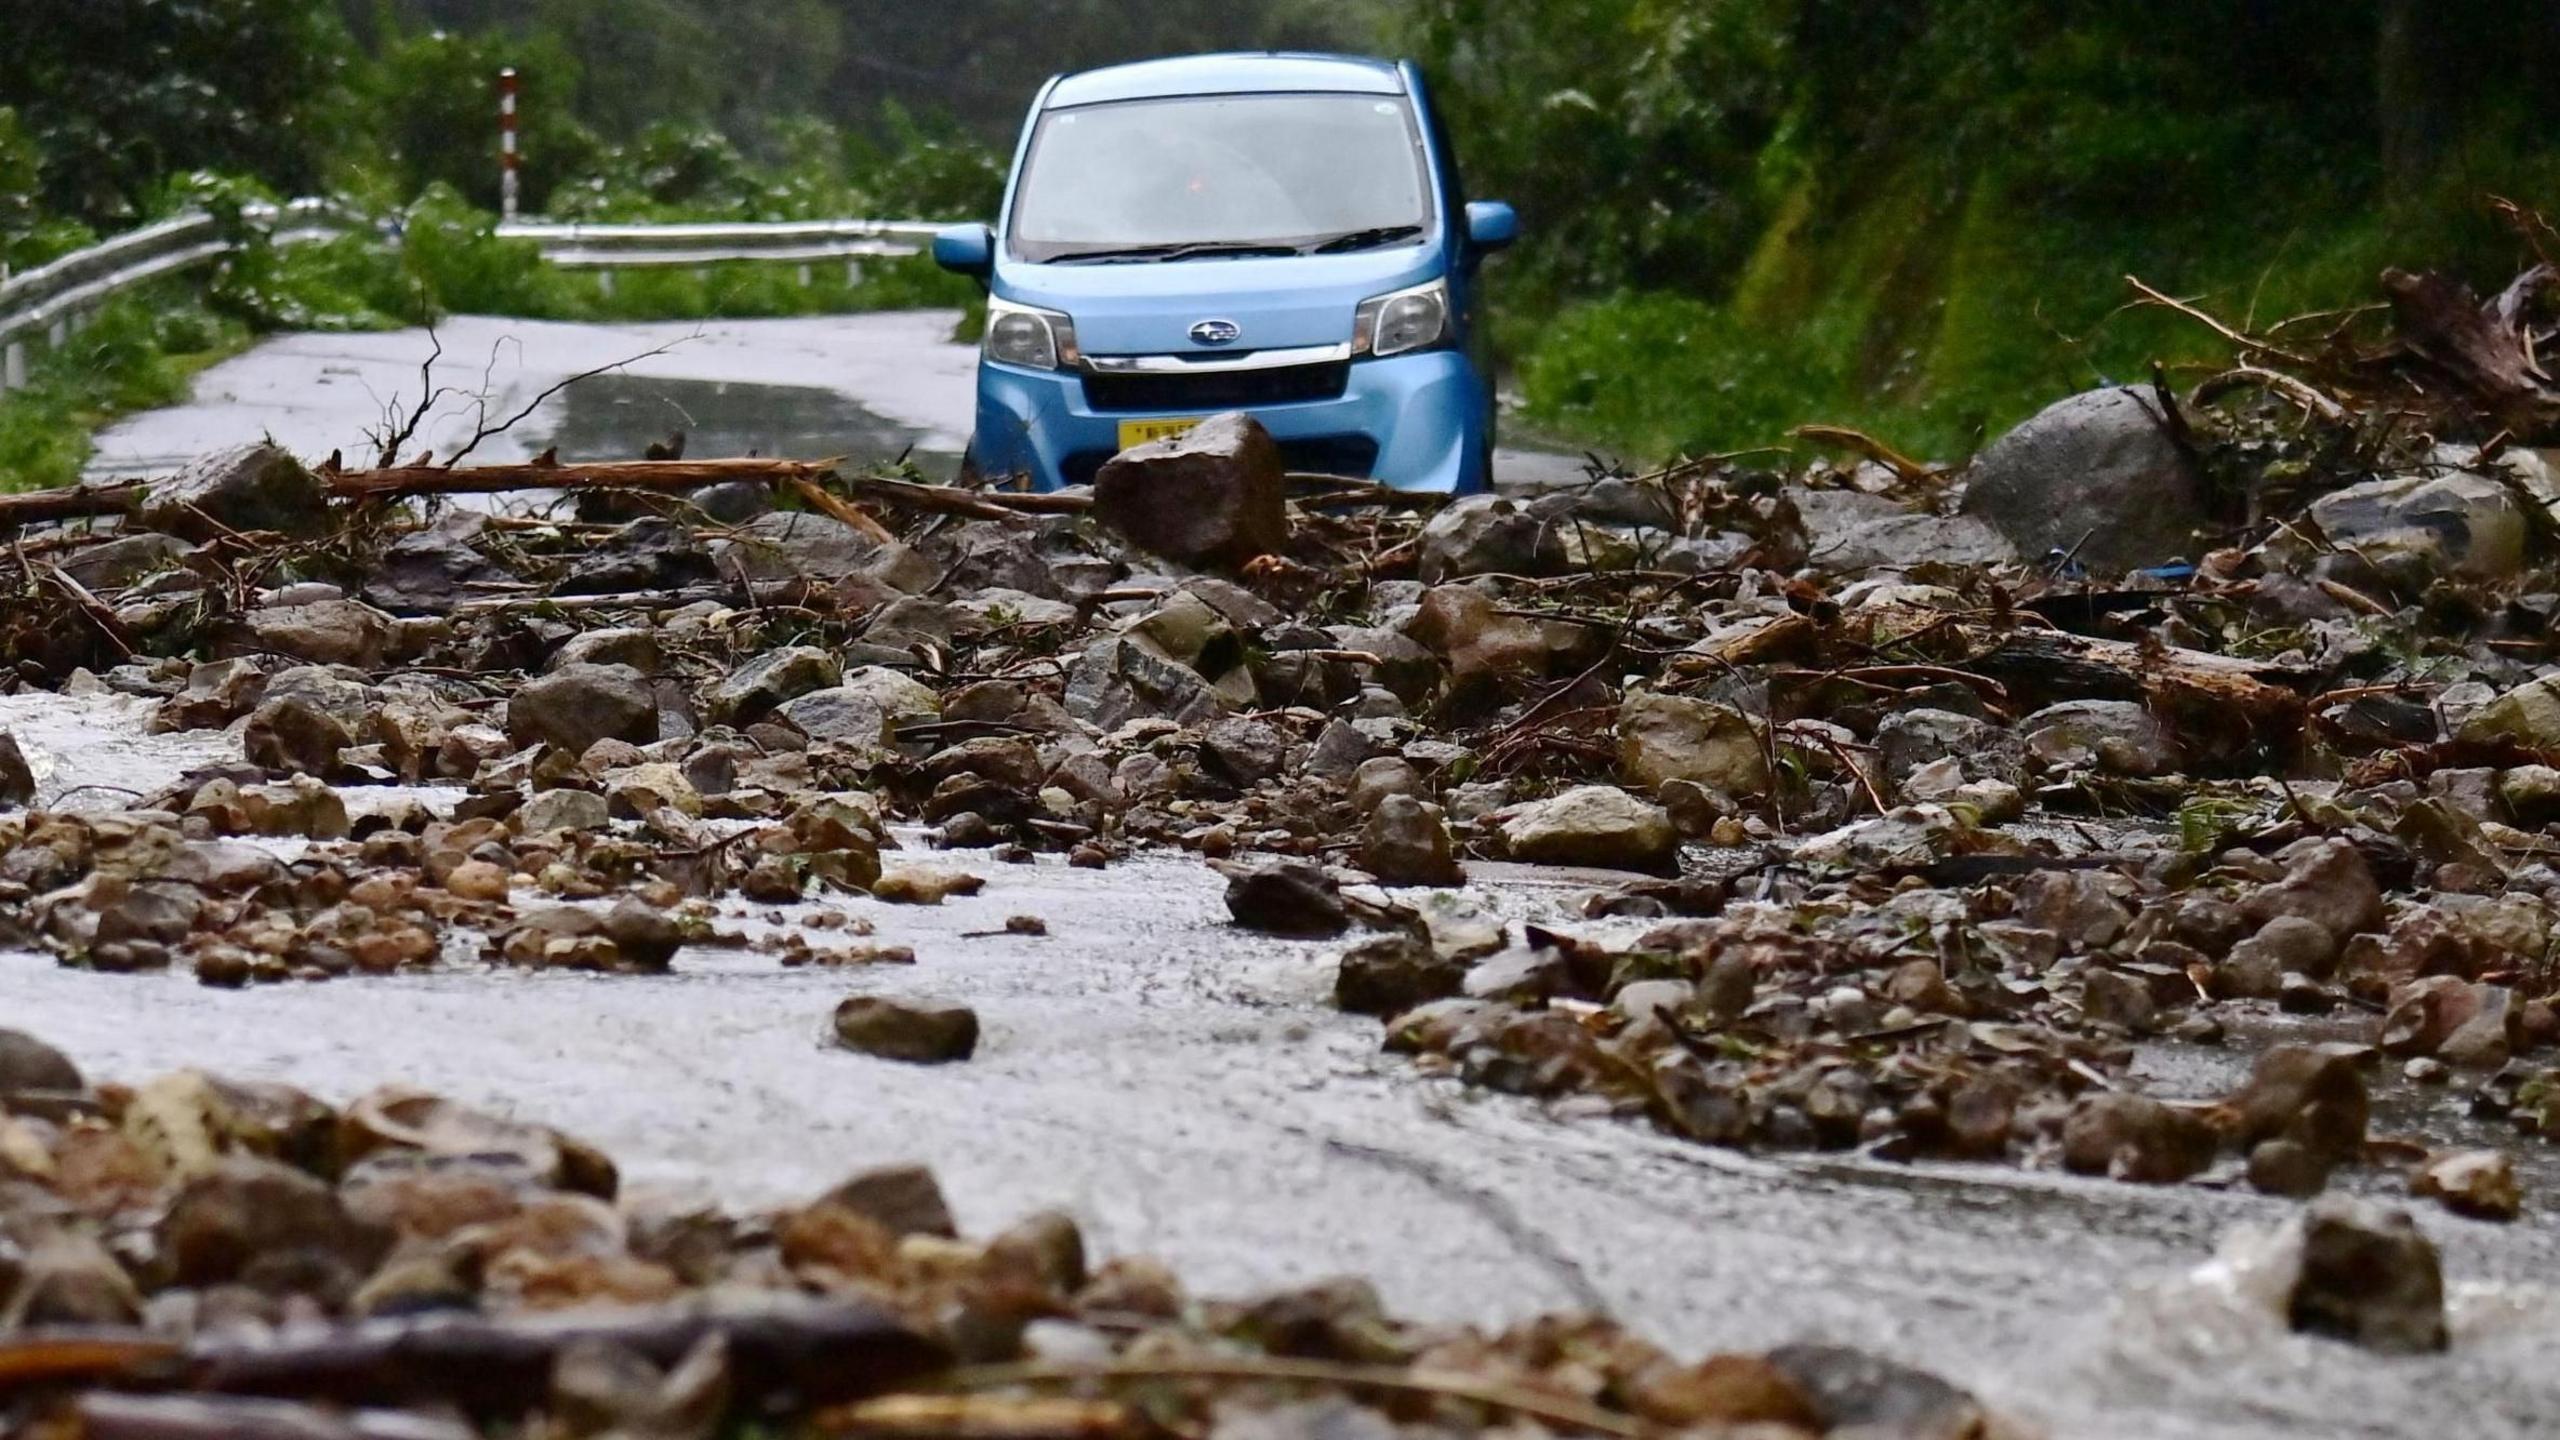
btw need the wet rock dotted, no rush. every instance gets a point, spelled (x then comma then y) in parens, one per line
(291, 735)
(1489, 653)
(1243, 752)
(845, 716)
(261, 1223)
(556, 810)
(1406, 842)
(2290, 943)
(2326, 882)
(2312, 1096)
(756, 688)
(326, 632)
(2426, 1012)
(902, 1199)
(252, 487)
(2414, 527)
(645, 936)
(1662, 738)
(1391, 974)
(1598, 825)
(2118, 736)
(1852, 1393)
(2288, 1168)
(2136, 1138)
(1488, 535)
(478, 880)
(1125, 678)
(643, 790)
(2076, 905)
(1286, 897)
(28, 1064)
(577, 705)
(1216, 495)
(116, 563)
(1847, 533)
(2481, 1184)
(2111, 997)
(2369, 1277)
(1909, 739)
(17, 778)
(794, 545)
(2098, 475)
(916, 885)
(2528, 715)
(916, 1032)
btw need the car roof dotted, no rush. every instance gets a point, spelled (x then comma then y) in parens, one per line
(1230, 74)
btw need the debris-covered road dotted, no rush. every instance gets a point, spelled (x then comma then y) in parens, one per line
(1928, 911)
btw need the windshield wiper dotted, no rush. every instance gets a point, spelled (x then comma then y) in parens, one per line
(1369, 239)
(1187, 251)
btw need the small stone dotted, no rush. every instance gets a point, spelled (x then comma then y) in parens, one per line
(917, 1032)
(17, 778)
(1391, 974)
(2134, 1137)
(2289, 1168)
(2481, 1184)
(1662, 738)
(1598, 825)
(2306, 1094)
(905, 1199)
(2111, 997)
(575, 811)
(478, 880)
(1406, 842)
(1286, 897)
(575, 706)
(916, 885)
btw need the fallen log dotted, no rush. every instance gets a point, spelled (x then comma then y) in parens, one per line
(71, 502)
(670, 476)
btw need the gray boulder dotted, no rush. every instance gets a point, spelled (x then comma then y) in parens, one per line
(325, 632)
(1217, 495)
(751, 692)
(1662, 738)
(1598, 825)
(1909, 739)
(1487, 535)
(793, 545)
(251, 487)
(2418, 526)
(2098, 474)
(577, 705)
(2113, 735)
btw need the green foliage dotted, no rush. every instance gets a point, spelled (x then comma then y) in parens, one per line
(138, 352)
(433, 103)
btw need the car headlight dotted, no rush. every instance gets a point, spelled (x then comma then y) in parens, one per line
(1034, 339)
(1404, 320)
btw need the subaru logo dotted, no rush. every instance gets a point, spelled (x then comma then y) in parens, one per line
(1216, 332)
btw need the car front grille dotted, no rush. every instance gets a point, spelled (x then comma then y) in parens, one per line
(1217, 389)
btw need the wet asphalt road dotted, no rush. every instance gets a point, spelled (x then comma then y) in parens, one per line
(1185, 1089)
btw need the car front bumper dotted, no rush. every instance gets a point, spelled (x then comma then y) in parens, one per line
(1415, 422)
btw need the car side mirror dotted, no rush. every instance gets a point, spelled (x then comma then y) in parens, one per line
(1491, 224)
(965, 250)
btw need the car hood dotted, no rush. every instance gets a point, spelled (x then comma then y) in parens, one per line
(1149, 307)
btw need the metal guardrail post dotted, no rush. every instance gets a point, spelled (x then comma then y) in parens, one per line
(13, 366)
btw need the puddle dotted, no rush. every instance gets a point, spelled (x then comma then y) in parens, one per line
(620, 416)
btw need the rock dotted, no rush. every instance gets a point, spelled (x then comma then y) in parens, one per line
(252, 487)
(1286, 897)
(2531, 794)
(2367, 1276)
(1243, 752)
(2414, 527)
(1382, 776)
(1487, 535)
(2488, 1037)
(29, 1064)
(2118, 736)
(2111, 997)
(2288, 1168)
(1124, 678)
(17, 777)
(1662, 738)
(2097, 475)
(2136, 1138)
(478, 880)
(256, 1221)
(918, 1033)
(2075, 905)
(2528, 715)
(556, 810)
(1390, 974)
(1406, 842)
(915, 885)
(1598, 825)
(326, 632)
(1215, 495)
(1726, 1390)
(116, 563)
(2326, 882)
(1490, 653)
(1847, 533)
(646, 936)
(577, 705)
(754, 689)
(2306, 1094)
(2291, 943)
(2481, 1184)
(793, 545)
(1852, 1393)
(843, 715)
(643, 790)
(903, 1199)
(291, 735)
(1909, 739)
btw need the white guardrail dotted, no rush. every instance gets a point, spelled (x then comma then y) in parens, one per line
(52, 301)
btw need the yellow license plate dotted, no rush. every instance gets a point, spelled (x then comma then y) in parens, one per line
(1139, 432)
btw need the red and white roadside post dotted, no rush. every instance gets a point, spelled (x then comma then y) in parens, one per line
(508, 159)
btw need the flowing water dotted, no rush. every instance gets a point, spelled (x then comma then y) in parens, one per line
(1186, 1090)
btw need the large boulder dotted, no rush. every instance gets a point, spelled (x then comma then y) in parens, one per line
(1593, 825)
(1662, 738)
(1216, 495)
(2099, 475)
(577, 705)
(251, 487)
(2417, 526)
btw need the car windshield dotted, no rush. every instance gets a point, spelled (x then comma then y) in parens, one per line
(1221, 174)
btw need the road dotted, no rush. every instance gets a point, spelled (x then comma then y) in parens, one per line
(870, 386)
(1186, 1090)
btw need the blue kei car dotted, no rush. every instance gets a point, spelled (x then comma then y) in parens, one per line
(1279, 234)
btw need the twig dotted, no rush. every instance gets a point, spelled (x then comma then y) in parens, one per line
(2244, 342)
(485, 430)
